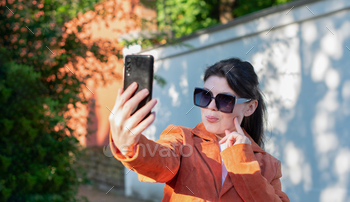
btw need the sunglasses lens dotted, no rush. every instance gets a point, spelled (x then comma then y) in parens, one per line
(225, 103)
(201, 97)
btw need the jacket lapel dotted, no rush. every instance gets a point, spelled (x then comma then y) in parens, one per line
(201, 132)
(212, 158)
(228, 182)
(226, 186)
(209, 151)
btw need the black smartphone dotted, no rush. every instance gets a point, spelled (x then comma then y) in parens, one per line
(139, 69)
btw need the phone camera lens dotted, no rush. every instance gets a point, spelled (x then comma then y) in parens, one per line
(128, 59)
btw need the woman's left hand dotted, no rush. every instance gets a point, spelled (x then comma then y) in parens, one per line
(236, 137)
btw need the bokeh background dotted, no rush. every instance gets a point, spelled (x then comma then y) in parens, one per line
(62, 61)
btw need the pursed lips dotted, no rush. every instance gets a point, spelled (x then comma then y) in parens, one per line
(211, 119)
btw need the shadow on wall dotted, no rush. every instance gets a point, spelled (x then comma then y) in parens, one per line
(306, 80)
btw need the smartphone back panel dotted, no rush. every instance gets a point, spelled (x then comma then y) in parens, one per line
(139, 68)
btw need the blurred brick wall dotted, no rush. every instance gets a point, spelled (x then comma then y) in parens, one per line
(104, 172)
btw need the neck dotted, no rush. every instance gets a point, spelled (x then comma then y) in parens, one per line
(220, 136)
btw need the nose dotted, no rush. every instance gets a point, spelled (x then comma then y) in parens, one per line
(212, 105)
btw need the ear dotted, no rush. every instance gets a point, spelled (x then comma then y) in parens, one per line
(251, 106)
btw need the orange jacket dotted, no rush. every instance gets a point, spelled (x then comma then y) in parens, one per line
(188, 161)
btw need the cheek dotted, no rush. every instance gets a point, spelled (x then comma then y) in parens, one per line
(227, 119)
(203, 114)
(239, 111)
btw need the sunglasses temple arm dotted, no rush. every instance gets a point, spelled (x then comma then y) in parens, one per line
(242, 100)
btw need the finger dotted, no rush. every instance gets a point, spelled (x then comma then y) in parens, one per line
(237, 126)
(132, 102)
(236, 135)
(119, 93)
(223, 140)
(239, 138)
(233, 135)
(227, 132)
(142, 112)
(125, 96)
(144, 124)
(230, 141)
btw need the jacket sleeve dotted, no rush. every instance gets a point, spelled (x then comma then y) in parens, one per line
(249, 181)
(154, 161)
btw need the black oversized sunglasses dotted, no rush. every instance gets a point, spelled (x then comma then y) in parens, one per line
(224, 102)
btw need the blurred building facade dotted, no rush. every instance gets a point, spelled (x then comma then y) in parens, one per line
(120, 17)
(110, 20)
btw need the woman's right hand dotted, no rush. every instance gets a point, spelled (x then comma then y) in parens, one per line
(126, 129)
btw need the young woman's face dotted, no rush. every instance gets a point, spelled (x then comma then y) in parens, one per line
(217, 122)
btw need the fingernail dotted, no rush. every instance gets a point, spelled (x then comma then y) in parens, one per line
(134, 84)
(154, 101)
(145, 91)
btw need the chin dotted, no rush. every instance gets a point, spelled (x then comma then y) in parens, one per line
(212, 128)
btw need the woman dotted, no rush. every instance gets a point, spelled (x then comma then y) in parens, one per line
(218, 160)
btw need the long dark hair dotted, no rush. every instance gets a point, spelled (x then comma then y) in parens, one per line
(242, 79)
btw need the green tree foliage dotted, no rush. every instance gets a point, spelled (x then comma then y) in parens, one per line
(178, 18)
(37, 147)
(244, 7)
(184, 17)
(35, 160)
(181, 18)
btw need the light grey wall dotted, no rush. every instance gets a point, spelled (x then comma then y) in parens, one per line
(302, 56)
